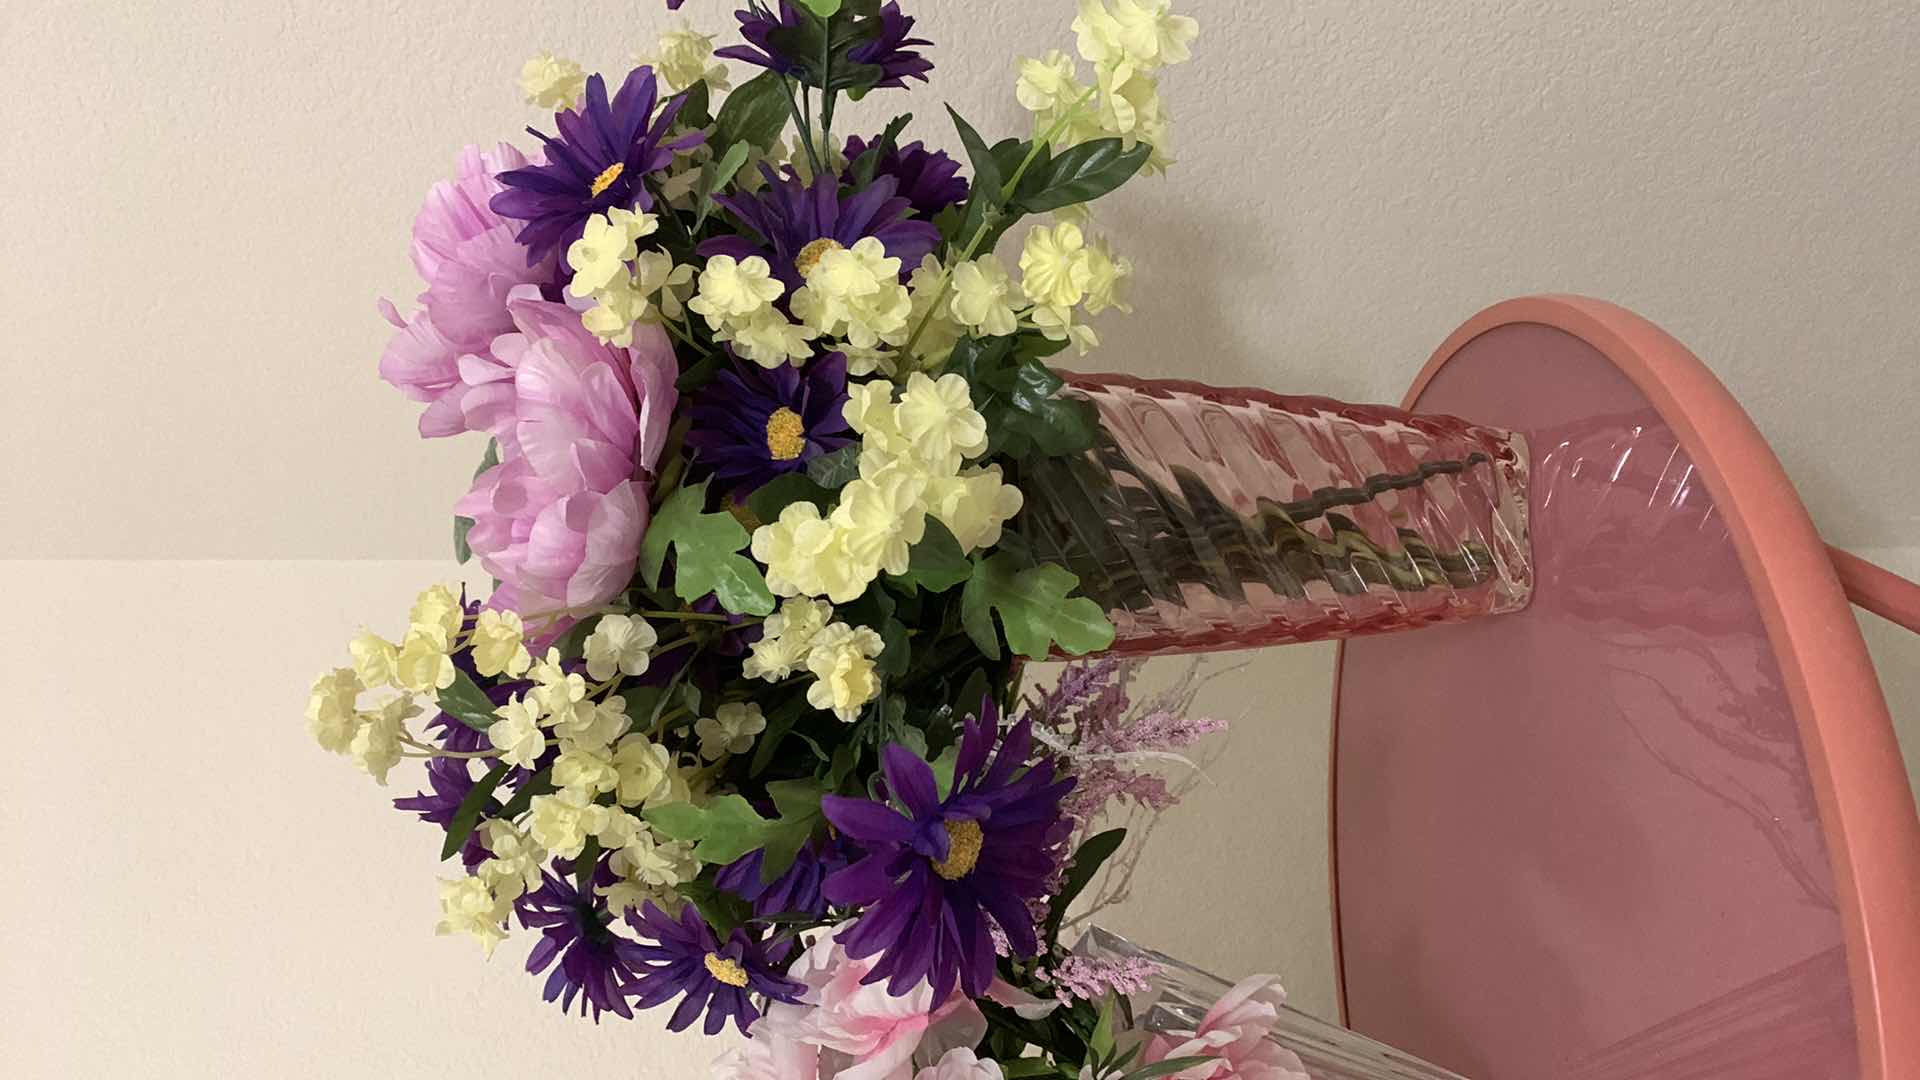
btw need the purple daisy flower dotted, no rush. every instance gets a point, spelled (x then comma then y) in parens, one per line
(888, 45)
(757, 26)
(751, 424)
(686, 958)
(797, 223)
(891, 50)
(796, 890)
(940, 873)
(599, 160)
(928, 179)
(451, 780)
(596, 965)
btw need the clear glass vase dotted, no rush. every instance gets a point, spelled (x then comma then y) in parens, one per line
(1209, 518)
(1182, 994)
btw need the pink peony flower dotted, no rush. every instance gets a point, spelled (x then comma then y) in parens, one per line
(581, 425)
(961, 1064)
(768, 1057)
(1234, 1032)
(863, 1032)
(472, 264)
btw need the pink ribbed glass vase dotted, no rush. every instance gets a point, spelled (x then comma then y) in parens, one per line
(1210, 518)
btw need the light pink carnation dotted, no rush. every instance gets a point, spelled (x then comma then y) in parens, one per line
(1234, 1032)
(961, 1064)
(581, 425)
(472, 264)
(863, 1032)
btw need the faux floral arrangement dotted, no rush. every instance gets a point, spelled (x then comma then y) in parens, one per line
(739, 728)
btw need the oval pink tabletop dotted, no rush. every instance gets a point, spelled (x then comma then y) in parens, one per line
(1656, 825)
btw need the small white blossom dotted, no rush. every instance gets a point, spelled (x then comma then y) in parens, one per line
(938, 419)
(499, 644)
(733, 290)
(468, 906)
(332, 710)
(983, 296)
(375, 659)
(842, 663)
(646, 771)
(1055, 266)
(517, 733)
(684, 58)
(550, 82)
(376, 745)
(730, 730)
(974, 506)
(786, 638)
(563, 821)
(620, 643)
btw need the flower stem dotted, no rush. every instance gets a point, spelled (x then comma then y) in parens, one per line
(800, 121)
(1059, 125)
(683, 616)
(431, 751)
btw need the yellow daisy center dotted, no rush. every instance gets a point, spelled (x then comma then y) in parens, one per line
(963, 850)
(811, 255)
(725, 970)
(786, 434)
(605, 180)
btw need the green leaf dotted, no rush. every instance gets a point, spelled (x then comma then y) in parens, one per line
(798, 802)
(695, 111)
(896, 651)
(826, 9)
(1100, 1044)
(783, 491)
(467, 703)
(1084, 173)
(722, 910)
(943, 767)
(779, 722)
(836, 470)
(461, 527)
(754, 113)
(462, 551)
(1034, 609)
(986, 170)
(540, 783)
(466, 817)
(728, 828)
(1057, 425)
(1027, 1068)
(1093, 852)
(715, 175)
(1166, 1068)
(724, 829)
(585, 864)
(706, 554)
(937, 563)
(862, 168)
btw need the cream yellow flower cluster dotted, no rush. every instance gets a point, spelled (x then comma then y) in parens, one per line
(851, 296)
(628, 286)
(736, 298)
(1060, 270)
(421, 664)
(1127, 42)
(684, 57)
(551, 82)
(911, 465)
(802, 636)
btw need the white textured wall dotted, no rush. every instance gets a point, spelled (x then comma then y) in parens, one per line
(200, 201)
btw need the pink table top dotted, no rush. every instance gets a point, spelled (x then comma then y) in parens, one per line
(1594, 839)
